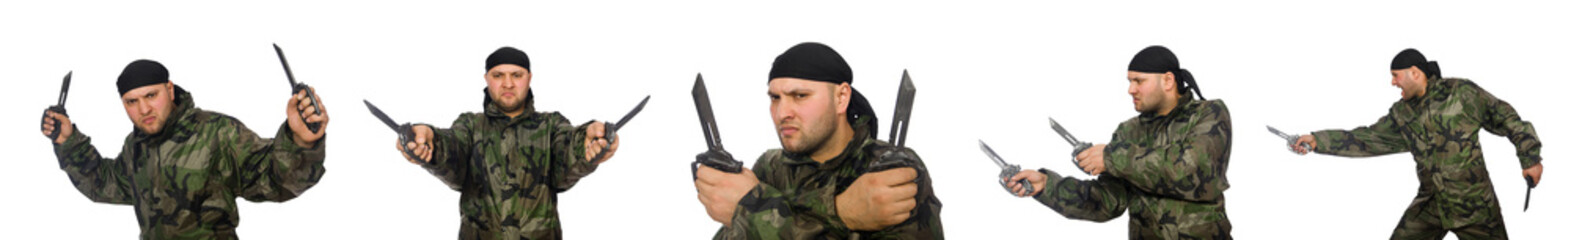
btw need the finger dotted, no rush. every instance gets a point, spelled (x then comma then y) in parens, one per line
(899, 176)
(427, 153)
(902, 207)
(897, 218)
(904, 191)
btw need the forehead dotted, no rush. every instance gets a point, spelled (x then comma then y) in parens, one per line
(1133, 75)
(507, 68)
(142, 91)
(795, 84)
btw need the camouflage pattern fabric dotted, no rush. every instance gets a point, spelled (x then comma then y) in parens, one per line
(1169, 172)
(509, 170)
(183, 181)
(795, 196)
(1440, 129)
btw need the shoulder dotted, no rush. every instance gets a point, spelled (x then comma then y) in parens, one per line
(1212, 109)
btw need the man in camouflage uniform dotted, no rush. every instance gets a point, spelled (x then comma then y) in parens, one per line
(1437, 121)
(183, 166)
(820, 186)
(1167, 166)
(510, 161)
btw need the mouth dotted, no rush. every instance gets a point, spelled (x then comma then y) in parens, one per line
(148, 120)
(788, 131)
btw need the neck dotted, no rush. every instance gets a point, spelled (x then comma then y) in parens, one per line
(837, 142)
(1167, 106)
(514, 113)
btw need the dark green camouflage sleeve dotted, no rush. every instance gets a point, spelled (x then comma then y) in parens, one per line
(99, 179)
(1095, 200)
(769, 212)
(568, 164)
(1191, 166)
(1499, 118)
(451, 151)
(1381, 138)
(260, 169)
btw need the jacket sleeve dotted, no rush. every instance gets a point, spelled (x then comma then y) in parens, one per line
(1383, 137)
(268, 169)
(452, 148)
(99, 179)
(768, 212)
(1191, 166)
(1499, 118)
(567, 154)
(1097, 200)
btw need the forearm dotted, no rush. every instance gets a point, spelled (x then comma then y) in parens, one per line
(1095, 200)
(568, 160)
(97, 178)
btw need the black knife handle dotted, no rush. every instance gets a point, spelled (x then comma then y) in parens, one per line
(56, 133)
(718, 160)
(406, 134)
(315, 127)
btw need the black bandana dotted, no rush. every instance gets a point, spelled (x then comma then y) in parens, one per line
(1157, 59)
(140, 73)
(1410, 58)
(817, 62)
(507, 55)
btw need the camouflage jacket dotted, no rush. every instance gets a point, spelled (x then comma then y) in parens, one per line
(509, 170)
(795, 196)
(183, 181)
(1168, 171)
(1440, 129)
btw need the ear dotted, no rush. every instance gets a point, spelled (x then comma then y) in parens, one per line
(1169, 83)
(842, 97)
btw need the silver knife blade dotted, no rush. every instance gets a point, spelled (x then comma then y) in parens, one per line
(1063, 133)
(1279, 133)
(993, 155)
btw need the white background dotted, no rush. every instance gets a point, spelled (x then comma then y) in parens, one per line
(985, 70)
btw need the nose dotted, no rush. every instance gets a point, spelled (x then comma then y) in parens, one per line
(1132, 88)
(507, 81)
(783, 111)
(145, 107)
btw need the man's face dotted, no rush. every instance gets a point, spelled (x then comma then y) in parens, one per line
(507, 84)
(149, 106)
(1409, 81)
(805, 112)
(1146, 90)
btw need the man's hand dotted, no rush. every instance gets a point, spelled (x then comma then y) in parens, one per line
(1536, 171)
(594, 140)
(720, 191)
(421, 144)
(1091, 160)
(318, 114)
(1304, 139)
(65, 126)
(1037, 179)
(878, 200)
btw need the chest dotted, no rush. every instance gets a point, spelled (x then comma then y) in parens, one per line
(1437, 124)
